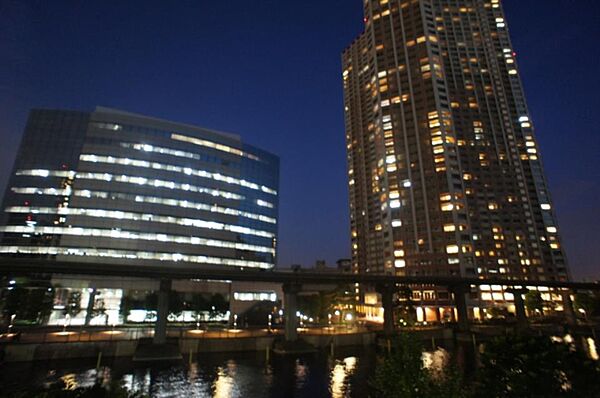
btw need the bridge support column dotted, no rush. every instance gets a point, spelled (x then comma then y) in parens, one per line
(160, 328)
(290, 297)
(90, 306)
(522, 321)
(568, 307)
(387, 301)
(460, 300)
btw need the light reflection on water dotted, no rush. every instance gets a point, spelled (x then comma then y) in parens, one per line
(340, 375)
(217, 375)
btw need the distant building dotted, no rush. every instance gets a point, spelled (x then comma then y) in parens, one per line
(444, 169)
(344, 265)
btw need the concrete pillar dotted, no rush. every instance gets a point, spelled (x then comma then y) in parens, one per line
(460, 300)
(90, 306)
(568, 307)
(290, 302)
(387, 301)
(160, 328)
(521, 315)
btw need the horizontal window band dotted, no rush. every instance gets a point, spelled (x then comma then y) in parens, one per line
(133, 235)
(124, 215)
(175, 169)
(132, 255)
(143, 199)
(129, 180)
(212, 145)
(185, 138)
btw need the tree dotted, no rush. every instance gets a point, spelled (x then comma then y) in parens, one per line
(309, 305)
(218, 304)
(532, 366)
(176, 303)
(498, 312)
(403, 374)
(534, 302)
(199, 303)
(405, 306)
(31, 304)
(39, 304)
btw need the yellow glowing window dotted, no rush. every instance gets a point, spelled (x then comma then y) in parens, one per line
(447, 207)
(449, 227)
(452, 249)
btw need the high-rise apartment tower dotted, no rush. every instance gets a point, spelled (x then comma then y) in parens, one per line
(444, 169)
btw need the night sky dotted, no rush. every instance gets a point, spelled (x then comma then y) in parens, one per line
(270, 71)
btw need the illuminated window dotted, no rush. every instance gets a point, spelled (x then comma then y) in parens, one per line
(131, 255)
(449, 227)
(123, 215)
(213, 145)
(135, 235)
(452, 249)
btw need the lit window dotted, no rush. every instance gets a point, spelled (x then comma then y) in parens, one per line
(452, 249)
(131, 255)
(135, 235)
(449, 227)
(213, 145)
(447, 207)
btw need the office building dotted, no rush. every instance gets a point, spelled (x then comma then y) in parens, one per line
(114, 187)
(444, 170)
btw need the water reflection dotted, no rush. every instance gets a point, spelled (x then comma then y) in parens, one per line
(340, 375)
(301, 373)
(344, 374)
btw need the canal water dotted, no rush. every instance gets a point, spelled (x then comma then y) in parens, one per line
(345, 373)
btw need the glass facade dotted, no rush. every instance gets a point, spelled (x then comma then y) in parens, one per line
(115, 187)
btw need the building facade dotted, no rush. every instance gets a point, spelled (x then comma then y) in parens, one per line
(444, 169)
(115, 187)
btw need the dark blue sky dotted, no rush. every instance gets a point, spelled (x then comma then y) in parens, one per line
(269, 70)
